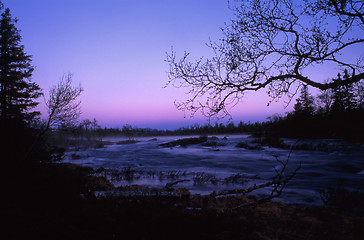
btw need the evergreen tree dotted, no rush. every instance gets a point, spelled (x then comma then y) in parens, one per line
(343, 97)
(18, 96)
(305, 104)
(325, 100)
(359, 95)
(17, 91)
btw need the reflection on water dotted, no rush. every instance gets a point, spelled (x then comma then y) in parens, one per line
(206, 169)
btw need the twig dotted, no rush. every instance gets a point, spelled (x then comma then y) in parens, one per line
(169, 185)
(278, 183)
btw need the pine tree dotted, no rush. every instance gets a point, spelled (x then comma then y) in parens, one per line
(17, 91)
(343, 96)
(305, 103)
(18, 96)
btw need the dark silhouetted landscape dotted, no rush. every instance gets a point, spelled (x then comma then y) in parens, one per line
(297, 175)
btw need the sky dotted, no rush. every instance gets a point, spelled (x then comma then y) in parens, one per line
(116, 50)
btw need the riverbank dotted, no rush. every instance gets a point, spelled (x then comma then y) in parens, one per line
(58, 202)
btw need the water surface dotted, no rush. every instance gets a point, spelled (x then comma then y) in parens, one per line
(214, 168)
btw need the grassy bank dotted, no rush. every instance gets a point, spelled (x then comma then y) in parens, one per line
(56, 201)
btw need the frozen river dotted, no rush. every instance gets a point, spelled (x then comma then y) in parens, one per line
(209, 168)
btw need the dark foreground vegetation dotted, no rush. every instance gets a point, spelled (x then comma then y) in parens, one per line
(58, 202)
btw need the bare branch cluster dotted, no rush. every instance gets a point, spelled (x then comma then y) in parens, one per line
(273, 45)
(63, 106)
(345, 10)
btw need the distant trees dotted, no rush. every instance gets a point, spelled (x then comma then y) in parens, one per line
(88, 128)
(304, 106)
(128, 131)
(343, 98)
(335, 112)
(273, 45)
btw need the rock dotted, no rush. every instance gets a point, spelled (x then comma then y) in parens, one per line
(127, 142)
(184, 142)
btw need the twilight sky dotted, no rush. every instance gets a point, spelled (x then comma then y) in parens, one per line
(116, 51)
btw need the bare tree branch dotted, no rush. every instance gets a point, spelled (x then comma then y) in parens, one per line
(270, 45)
(62, 104)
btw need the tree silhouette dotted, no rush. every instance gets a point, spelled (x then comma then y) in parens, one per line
(304, 104)
(343, 96)
(18, 94)
(17, 91)
(273, 45)
(63, 105)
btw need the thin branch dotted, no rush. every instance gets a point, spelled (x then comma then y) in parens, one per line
(278, 183)
(269, 45)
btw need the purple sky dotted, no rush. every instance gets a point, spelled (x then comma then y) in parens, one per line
(116, 50)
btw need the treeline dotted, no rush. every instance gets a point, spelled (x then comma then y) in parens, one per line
(334, 113)
(91, 129)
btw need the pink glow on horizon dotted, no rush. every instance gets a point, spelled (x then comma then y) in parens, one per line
(116, 51)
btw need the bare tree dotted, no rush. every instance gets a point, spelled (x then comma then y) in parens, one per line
(345, 10)
(63, 104)
(273, 45)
